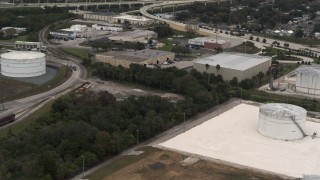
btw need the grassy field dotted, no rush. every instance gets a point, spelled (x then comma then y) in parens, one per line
(20, 89)
(19, 38)
(121, 163)
(245, 49)
(160, 164)
(18, 127)
(81, 53)
(168, 47)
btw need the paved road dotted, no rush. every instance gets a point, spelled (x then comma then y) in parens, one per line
(7, 5)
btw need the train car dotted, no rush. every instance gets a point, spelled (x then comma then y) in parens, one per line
(7, 118)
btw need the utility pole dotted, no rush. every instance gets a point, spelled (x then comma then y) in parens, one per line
(137, 137)
(82, 166)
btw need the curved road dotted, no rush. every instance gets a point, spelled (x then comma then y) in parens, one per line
(77, 78)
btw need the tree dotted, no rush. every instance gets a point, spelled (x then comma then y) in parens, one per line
(264, 40)
(218, 68)
(234, 81)
(251, 38)
(257, 39)
(207, 67)
(192, 28)
(298, 33)
(260, 76)
(163, 30)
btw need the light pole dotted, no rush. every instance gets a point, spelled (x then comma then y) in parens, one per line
(137, 137)
(82, 166)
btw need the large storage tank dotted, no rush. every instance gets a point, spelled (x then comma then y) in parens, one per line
(23, 64)
(308, 80)
(282, 121)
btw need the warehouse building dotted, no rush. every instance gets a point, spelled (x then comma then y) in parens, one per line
(242, 66)
(135, 20)
(208, 43)
(106, 16)
(144, 57)
(134, 36)
(107, 28)
(64, 34)
(24, 45)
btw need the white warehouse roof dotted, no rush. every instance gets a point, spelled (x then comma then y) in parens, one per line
(237, 61)
(22, 55)
(132, 18)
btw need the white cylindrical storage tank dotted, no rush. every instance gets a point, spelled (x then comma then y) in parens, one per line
(23, 64)
(308, 80)
(282, 121)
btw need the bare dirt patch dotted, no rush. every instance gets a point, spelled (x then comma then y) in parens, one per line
(165, 165)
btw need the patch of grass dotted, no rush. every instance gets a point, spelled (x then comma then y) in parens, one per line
(121, 163)
(242, 48)
(18, 127)
(164, 157)
(287, 58)
(168, 47)
(63, 74)
(19, 38)
(81, 53)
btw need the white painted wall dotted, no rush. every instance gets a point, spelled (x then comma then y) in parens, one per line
(23, 67)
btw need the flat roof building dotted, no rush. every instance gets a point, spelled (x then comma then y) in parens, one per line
(134, 36)
(143, 57)
(106, 16)
(209, 43)
(242, 66)
(135, 20)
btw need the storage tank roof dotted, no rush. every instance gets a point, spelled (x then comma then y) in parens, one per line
(312, 70)
(22, 55)
(275, 109)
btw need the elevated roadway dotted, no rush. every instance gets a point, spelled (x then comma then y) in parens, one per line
(144, 2)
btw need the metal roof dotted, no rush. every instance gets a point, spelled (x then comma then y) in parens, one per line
(22, 55)
(237, 61)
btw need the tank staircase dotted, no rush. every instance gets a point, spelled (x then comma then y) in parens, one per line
(295, 122)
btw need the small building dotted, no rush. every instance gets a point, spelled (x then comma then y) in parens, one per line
(144, 57)
(24, 45)
(107, 28)
(208, 43)
(242, 66)
(135, 20)
(134, 36)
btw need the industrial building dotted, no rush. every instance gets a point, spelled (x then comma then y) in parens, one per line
(282, 121)
(134, 36)
(23, 64)
(135, 20)
(208, 43)
(76, 28)
(143, 57)
(308, 80)
(64, 34)
(107, 28)
(242, 66)
(24, 45)
(106, 16)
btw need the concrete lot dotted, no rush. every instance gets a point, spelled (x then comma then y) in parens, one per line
(232, 137)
